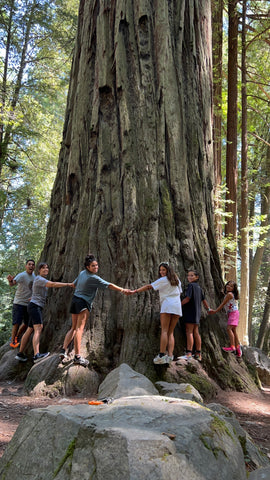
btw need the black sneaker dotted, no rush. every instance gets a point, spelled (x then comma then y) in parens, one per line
(40, 356)
(63, 354)
(81, 361)
(21, 357)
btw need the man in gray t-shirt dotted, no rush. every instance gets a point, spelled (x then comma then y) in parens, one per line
(24, 282)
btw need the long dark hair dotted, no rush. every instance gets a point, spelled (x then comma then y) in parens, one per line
(41, 265)
(171, 275)
(89, 259)
(235, 289)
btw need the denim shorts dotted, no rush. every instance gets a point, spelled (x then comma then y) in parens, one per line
(35, 314)
(19, 314)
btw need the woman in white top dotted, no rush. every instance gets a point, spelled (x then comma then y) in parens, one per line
(169, 287)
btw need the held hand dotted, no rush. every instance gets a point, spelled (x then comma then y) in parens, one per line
(211, 311)
(125, 291)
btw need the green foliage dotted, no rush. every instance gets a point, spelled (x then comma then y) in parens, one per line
(36, 46)
(36, 42)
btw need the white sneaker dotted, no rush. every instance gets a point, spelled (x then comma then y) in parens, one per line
(160, 360)
(170, 359)
(185, 357)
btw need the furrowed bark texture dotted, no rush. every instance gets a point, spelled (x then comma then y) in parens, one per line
(135, 171)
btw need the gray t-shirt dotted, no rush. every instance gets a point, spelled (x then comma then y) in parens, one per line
(39, 291)
(87, 285)
(24, 289)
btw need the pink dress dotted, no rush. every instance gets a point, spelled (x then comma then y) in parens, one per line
(232, 311)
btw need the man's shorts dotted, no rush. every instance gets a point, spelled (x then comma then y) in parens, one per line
(78, 305)
(35, 315)
(19, 314)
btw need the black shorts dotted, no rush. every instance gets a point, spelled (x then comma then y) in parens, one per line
(78, 305)
(35, 315)
(19, 314)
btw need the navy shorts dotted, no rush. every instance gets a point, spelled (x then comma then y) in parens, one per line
(35, 315)
(78, 305)
(19, 314)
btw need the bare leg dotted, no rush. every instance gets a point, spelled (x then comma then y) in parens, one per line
(171, 341)
(25, 339)
(236, 339)
(197, 338)
(70, 334)
(36, 337)
(189, 333)
(21, 330)
(231, 334)
(80, 324)
(14, 332)
(165, 319)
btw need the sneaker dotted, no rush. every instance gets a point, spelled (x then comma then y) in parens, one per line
(40, 356)
(63, 355)
(228, 349)
(170, 359)
(198, 357)
(185, 357)
(14, 344)
(239, 352)
(21, 357)
(160, 360)
(81, 361)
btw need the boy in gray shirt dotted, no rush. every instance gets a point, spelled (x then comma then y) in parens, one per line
(20, 318)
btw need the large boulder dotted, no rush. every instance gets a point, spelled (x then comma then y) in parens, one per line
(123, 381)
(260, 474)
(132, 438)
(137, 437)
(179, 390)
(254, 457)
(257, 359)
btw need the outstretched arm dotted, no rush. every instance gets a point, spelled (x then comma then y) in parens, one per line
(126, 291)
(59, 285)
(10, 280)
(206, 305)
(142, 289)
(228, 297)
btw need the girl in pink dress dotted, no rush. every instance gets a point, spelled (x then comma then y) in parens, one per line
(230, 305)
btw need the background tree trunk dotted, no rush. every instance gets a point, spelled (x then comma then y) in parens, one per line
(230, 257)
(257, 259)
(217, 44)
(263, 336)
(135, 173)
(244, 218)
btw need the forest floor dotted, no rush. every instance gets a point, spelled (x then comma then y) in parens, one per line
(251, 410)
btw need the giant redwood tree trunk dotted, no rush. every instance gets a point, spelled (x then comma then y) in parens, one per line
(135, 173)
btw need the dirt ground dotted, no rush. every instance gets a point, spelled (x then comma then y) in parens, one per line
(252, 411)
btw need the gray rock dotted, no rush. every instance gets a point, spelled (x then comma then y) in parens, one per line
(133, 438)
(260, 474)
(123, 381)
(257, 358)
(51, 377)
(179, 390)
(253, 455)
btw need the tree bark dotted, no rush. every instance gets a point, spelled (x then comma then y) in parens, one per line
(217, 45)
(265, 325)
(230, 256)
(244, 218)
(257, 259)
(135, 173)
